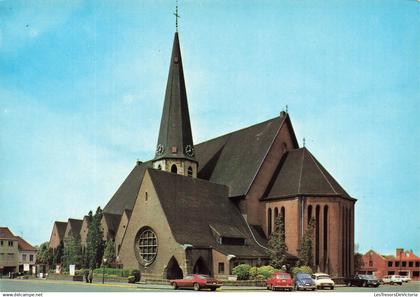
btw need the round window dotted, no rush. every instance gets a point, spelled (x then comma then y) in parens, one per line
(146, 246)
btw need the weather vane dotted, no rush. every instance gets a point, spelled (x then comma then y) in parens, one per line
(176, 14)
(304, 141)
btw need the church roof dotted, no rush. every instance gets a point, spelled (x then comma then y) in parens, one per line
(234, 159)
(74, 226)
(126, 194)
(112, 221)
(61, 228)
(301, 174)
(175, 128)
(193, 205)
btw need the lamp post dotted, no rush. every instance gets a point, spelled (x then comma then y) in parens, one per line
(103, 270)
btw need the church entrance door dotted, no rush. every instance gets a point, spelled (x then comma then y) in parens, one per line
(173, 271)
(201, 267)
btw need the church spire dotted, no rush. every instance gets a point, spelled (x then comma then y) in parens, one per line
(175, 138)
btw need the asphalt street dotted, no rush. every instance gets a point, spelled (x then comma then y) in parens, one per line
(34, 285)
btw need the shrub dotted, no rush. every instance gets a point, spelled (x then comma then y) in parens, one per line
(302, 269)
(136, 274)
(253, 273)
(242, 271)
(131, 279)
(266, 271)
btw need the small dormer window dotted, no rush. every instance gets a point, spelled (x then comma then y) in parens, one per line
(190, 171)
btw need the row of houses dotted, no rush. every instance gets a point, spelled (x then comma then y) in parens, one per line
(16, 254)
(403, 263)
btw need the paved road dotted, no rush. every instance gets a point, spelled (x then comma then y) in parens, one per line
(33, 285)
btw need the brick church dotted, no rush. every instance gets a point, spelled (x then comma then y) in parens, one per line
(208, 207)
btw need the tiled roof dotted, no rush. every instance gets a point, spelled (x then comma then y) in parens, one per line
(23, 245)
(5, 233)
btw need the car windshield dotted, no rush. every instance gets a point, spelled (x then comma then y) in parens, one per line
(282, 276)
(203, 276)
(372, 277)
(323, 277)
(302, 276)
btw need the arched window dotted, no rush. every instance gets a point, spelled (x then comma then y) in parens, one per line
(146, 246)
(189, 171)
(269, 222)
(317, 211)
(174, 169)
(146, 196)
(276, 213)
(284, 147)
(309, 213)
(159, 167)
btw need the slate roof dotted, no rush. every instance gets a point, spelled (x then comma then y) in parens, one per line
(112, 221)
(61, 228)
(5, 233)
(125, 196)
(192, 205)
(234, 159)
(175, 127)
(301, 174)
(23, 245)
(75, 225)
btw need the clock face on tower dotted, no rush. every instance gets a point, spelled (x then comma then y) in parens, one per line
(159, 149)
(189, 150)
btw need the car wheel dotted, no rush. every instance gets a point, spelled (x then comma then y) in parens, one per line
(273, 288)
(175, 286)
(349, 284)
(332, 287)
(196, 287)
(313, 289)
(391, 283)
(213, 289)
(400, 284)
(364, 284)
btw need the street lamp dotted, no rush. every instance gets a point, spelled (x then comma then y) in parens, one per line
(103, 270)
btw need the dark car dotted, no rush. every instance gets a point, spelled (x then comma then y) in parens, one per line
(363, 280)
(280, 280)
(303, 281)
(196, 282)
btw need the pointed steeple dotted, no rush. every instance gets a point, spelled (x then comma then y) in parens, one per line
(175, 137)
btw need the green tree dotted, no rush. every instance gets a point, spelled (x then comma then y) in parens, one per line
(44, 254)
(277, 244)
(58, 254)
(109, 252)
(94, 240)
(72, 251)
(305, 254)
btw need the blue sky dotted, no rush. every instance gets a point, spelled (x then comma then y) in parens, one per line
(82, 86)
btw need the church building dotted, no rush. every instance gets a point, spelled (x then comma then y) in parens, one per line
(207, 207)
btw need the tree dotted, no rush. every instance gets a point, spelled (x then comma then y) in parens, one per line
(94, 240)
(72, 251)
(44, 254)
(305, 254)
(58, 254)
(277, 244)
(109, 252)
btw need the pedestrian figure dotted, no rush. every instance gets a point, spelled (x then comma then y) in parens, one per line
(86, 274)
(90, 275)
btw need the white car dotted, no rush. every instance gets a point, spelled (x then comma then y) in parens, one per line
(392, 279)
(405, 278)
(323, 280)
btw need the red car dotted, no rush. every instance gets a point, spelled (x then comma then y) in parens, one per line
(197, 282)
(280, 280)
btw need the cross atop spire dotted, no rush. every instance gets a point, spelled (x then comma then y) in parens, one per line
(176, 14)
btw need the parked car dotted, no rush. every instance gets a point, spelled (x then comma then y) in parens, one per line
(303, 281)
(405, 278)
(392, 279)
(323, 280)
(363, 280)
(280, 280)
(196, 282)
